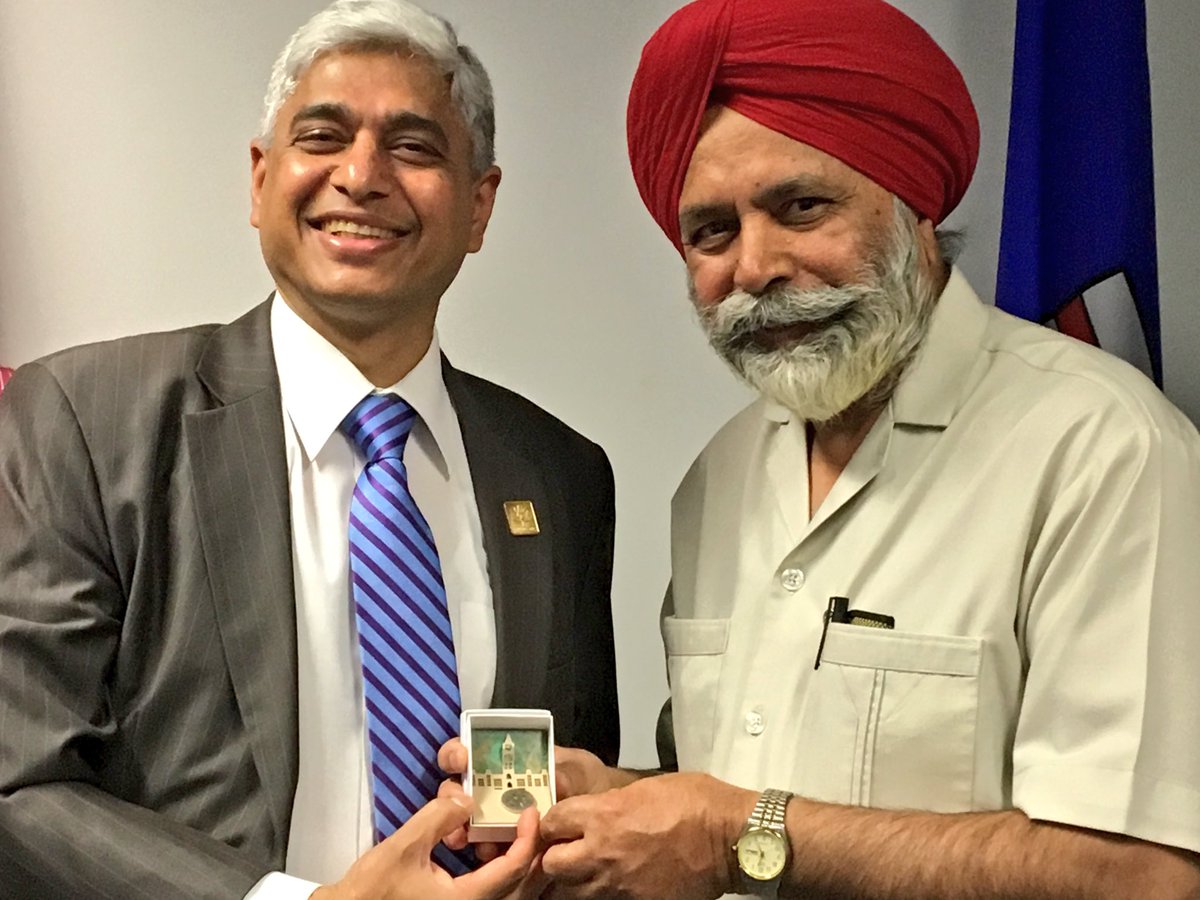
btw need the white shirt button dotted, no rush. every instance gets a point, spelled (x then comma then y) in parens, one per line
(755, 723)
(791, 579)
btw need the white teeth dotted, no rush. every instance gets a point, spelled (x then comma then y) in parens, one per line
(342, 226)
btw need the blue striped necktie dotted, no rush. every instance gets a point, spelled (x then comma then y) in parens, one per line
(410, 681)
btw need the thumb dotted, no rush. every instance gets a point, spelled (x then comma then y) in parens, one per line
(577, 772)
(433, 821)
(452, 757)
(502, 875)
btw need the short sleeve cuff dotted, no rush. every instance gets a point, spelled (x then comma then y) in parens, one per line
(278, 886)
(1118, 802)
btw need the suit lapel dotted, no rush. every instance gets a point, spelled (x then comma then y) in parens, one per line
(520, 567)
(241, 492)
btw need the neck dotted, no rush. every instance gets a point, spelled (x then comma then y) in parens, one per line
(838, 439)
(832, 444)
(383, 351)
(384, 357)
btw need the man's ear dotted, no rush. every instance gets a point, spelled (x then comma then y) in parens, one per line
(258, 174)
(931, 254)
(484, 201)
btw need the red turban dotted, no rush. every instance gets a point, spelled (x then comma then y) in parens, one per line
(856, 79)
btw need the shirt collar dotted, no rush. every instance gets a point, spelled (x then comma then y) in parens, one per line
(319, 385)
(940, 376)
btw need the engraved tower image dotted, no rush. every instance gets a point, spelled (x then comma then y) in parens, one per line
(510, 773)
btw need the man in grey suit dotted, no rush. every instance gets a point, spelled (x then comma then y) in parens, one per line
(181, 703)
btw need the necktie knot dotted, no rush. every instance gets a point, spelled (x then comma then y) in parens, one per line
(380, 425)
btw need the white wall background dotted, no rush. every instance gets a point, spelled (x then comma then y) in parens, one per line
(123, 140)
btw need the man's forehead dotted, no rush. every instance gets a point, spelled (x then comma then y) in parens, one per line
(366, 77)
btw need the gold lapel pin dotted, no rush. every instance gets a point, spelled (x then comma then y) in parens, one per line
(522, 520)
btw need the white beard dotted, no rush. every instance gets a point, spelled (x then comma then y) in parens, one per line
(870, 332)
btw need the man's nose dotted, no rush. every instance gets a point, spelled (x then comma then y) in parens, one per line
(764, 259)
(364, 170)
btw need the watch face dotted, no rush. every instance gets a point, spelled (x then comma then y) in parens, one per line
(762, 854)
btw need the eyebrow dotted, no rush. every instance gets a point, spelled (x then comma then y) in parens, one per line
(802, 185)
(338, 111)
(773, 194)
(693, 217)
(393, 122)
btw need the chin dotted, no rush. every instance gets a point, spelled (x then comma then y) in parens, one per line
(817, 390)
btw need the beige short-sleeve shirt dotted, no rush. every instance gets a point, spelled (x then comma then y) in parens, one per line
(1028, 509)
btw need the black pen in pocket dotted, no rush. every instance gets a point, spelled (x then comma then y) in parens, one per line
(839, 611)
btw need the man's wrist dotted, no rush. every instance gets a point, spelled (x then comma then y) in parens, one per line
(617, 777)
(727, 826)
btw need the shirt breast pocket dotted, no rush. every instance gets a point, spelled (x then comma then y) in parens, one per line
(890, 720)
(695, 653)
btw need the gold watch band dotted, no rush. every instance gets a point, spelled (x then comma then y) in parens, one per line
(770, 809)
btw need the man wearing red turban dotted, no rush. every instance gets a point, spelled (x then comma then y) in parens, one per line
(932, 618)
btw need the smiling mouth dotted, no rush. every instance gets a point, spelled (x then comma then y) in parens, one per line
(344, 227)
(784, 335)
(778, 337)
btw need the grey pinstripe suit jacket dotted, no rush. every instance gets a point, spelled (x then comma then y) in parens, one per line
(147, 620)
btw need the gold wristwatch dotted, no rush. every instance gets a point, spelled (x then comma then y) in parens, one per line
(762, 850)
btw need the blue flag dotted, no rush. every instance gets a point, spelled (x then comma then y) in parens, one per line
(1077, 249)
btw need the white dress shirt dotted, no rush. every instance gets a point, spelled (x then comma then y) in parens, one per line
(331, 815)
(1026, 507)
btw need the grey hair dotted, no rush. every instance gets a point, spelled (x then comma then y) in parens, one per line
(950, 244)
(950, 241)
(367, 25)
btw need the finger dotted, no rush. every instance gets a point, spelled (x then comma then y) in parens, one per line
(566, 819)
(452, 757)
(566, 777)
(568, 863)
(456, 839)
(533, 885)
(537, 882)
(579, 772)
(488, 851)
(525, 847)
(504, 873)
(430, 824)
(451, 787)
(527, 827)
(564, 784)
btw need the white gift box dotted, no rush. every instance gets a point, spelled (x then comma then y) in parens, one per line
(510, 767)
